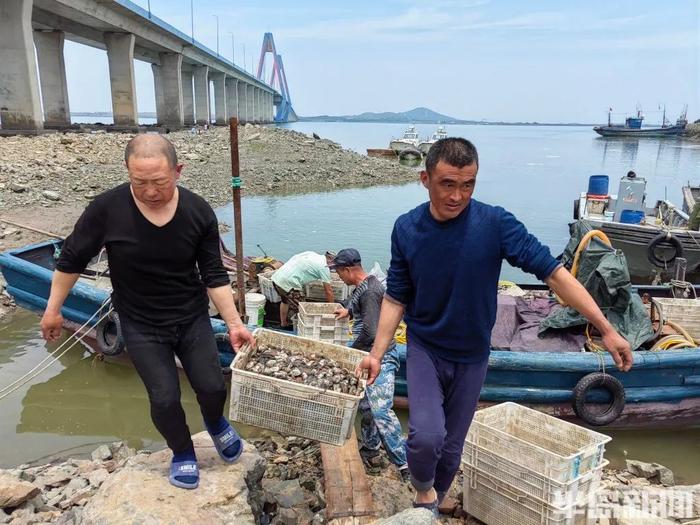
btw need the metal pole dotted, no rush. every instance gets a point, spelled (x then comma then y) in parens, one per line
(233, 50)
(237, 220)
(192, 18)
(217, 34)
(245, 67)
(149, 9)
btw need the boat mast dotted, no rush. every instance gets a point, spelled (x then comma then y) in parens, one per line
(663, 118)
(609, 114)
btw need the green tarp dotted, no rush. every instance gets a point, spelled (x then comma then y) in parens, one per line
(603, 272)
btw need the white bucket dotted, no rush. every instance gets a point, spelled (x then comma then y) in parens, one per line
(255, 308)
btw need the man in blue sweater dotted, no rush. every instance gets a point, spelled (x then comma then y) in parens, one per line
(446, 258)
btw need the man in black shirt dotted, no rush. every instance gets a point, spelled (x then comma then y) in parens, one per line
(162, 244)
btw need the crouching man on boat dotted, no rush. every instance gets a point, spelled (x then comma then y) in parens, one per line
(289, 281)
(162, 244)
(446, 259)
(379, 424)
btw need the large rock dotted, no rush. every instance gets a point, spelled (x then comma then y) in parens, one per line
(651, 471)
(141, 493)
(14, 492)
(409, 517)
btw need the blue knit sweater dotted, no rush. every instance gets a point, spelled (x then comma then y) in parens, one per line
(446, 274)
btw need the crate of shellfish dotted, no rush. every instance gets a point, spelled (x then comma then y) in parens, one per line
(317, 321)
(297, 386)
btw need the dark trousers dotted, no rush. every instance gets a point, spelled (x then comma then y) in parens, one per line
(442, 399)
(152, 349)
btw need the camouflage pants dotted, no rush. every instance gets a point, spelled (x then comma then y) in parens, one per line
(379, 424)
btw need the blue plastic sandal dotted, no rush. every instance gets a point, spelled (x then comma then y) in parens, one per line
(184, 474)
(225, 439)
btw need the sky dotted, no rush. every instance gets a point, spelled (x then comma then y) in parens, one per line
(544, 60)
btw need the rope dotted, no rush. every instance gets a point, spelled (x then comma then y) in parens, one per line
(52, 357)
(582, 245)
(597, 349)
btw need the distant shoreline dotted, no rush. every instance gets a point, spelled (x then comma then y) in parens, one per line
(440, 122)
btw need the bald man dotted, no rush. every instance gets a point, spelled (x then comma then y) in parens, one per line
(162, 244)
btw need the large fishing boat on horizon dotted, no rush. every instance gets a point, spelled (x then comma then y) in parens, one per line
(633, 126)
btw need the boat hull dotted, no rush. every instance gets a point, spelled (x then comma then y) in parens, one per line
(424, 147)
(615, 131)
(634, 239)
(400, 145)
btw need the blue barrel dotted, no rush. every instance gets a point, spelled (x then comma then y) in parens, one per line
(598, 185)
(631, 216)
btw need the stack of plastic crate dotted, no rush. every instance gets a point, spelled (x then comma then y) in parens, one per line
(317, 321)
(314, 291)
(524, 467)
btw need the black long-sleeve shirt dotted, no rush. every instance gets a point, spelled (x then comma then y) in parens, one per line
(159, 274)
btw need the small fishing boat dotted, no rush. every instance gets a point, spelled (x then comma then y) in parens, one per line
(663, 387)
(633, 127)
(409, 140)
(653, 238)
(28, 272)
(424, 146)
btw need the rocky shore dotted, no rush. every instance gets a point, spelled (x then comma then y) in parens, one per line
(66, 170)
(278, 481)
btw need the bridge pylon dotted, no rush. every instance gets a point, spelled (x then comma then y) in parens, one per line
(278, 80)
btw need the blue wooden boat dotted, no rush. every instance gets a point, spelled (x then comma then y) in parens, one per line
(28, 272)
(663, 388)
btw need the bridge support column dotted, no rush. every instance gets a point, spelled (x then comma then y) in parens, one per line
(258, 104)
(201, 94)
(219, 99)
(171, 82)
(20, 107)
(187, 97)
(52, 77)
(271, 107)
(231, 97)
(250, 97)
(242, 102)
(158, 88)
(120, 53)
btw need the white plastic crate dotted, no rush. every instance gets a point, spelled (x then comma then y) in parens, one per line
(314, 291)
(317, 321)
(534, 484)
(559, 450)
(293, 408)
(338, 335)
(685, 312)
(267, 287)
(497, 503)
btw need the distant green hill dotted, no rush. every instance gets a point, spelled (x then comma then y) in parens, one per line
(416, 116)
(425, 116)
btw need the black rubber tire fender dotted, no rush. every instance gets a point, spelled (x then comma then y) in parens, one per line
(107, 343)
(606, 382)
(664, 238)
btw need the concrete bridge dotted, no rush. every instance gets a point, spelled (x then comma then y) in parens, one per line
(183, 69)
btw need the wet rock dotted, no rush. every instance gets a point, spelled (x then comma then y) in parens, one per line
(14, 492)
(286, 494)
(18, 188)
(651, 471)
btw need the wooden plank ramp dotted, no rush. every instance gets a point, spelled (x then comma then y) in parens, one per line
(348, 497)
